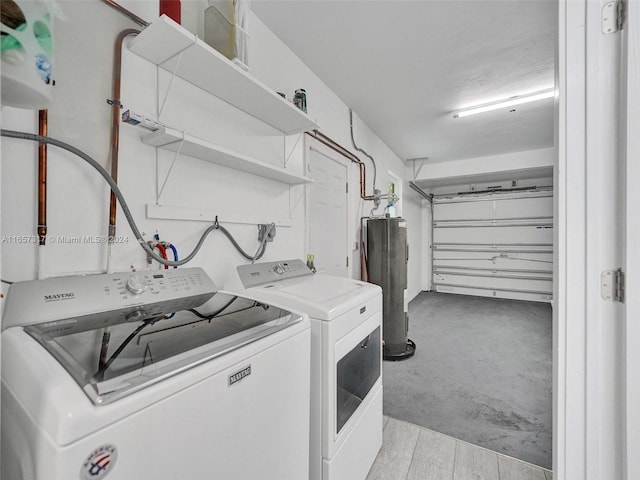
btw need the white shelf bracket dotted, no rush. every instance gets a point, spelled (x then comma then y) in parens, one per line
(293, 149)
(293, 208)
(173, 75)
(414, 160)
(159, 190)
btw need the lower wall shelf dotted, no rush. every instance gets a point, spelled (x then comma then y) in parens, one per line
(175, 140)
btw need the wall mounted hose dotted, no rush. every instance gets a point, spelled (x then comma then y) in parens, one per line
(125, 208)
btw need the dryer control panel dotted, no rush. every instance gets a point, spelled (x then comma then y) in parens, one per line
(261, 273)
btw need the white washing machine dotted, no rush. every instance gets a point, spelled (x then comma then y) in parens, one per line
(346, 375)
(153, 375)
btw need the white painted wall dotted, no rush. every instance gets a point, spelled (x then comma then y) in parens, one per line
(78, 198)
(516, 165)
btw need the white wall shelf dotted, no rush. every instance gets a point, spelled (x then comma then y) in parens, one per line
(164, 41)
(174, 140)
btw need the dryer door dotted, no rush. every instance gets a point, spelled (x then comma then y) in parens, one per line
(357, 372)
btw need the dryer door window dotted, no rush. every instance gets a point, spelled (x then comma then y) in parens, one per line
(357, 372)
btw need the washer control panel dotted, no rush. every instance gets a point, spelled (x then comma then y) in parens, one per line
(261, 273)
(130, 295)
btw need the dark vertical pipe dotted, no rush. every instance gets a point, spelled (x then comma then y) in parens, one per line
(42, 178)
(115, 121)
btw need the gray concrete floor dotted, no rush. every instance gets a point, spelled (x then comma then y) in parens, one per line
(482, 373)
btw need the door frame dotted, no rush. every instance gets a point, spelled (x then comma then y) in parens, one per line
(631, 152)
(588, 388)
(398, 190)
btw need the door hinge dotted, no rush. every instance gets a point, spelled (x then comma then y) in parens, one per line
(612, 285)
(346, 187)
(614, 16)
(347, 261)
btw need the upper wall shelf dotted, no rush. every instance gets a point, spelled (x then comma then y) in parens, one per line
(163, 41)
(186, 144)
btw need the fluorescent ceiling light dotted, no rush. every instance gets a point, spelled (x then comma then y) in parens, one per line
(509, 102)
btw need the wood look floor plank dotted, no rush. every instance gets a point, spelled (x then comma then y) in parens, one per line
(394, 459)
(473, 463)
(511, 469)
(433, 457)
(548, 475)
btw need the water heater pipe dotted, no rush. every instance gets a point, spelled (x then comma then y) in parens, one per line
(115, 122)
(43, 128)
(116, 105)
(335, 146)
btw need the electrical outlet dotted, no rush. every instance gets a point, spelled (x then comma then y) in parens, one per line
(262, 229)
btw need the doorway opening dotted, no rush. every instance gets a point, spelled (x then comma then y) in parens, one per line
(483, 370)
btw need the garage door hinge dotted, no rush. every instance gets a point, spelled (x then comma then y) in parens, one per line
(612, 285)
(614, 15)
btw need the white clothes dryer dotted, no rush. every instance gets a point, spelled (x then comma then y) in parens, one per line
(346, 356)
(151, 375)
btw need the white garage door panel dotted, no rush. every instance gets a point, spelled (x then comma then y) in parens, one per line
(494, 259)
(493, 235)
(512, 283)
(492, 250)
(511, 274)
(499, 245)
(491, 209)
(517, 208)
(500, 265)
(488, 292)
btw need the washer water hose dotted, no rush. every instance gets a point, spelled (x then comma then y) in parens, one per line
(125, 208)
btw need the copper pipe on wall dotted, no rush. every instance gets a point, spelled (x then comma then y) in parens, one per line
(335, 146)
(43, 129)
(126, 12)
(115, 121)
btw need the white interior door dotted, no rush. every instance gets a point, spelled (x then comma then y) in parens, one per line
(327, 221)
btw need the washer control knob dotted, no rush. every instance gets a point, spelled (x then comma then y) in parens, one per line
(136, 284)
(279, 269)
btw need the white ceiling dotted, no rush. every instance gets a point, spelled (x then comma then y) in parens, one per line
(405, 66)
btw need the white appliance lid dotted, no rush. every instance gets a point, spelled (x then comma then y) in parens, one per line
(320, 296)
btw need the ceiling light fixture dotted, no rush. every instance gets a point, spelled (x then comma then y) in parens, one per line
(509, 102)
